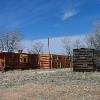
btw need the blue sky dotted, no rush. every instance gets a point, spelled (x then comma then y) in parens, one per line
(38, 19)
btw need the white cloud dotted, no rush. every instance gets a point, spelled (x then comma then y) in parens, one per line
(56, 46)
(69, 14)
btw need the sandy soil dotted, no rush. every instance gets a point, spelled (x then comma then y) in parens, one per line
(49, 85)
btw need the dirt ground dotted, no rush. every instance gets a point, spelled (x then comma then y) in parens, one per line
(49, 85)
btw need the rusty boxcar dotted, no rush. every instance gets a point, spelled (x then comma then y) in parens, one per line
(10, 60)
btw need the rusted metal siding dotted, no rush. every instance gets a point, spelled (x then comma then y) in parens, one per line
(9, 60)
(28, 61)
(34, 61)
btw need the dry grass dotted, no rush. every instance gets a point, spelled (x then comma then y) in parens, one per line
(49, 85)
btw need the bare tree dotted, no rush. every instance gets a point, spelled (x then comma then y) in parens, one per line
(10, 41)
(1, 45)
(78, 44)
(67, 46)
(93, 39)
(37, 47)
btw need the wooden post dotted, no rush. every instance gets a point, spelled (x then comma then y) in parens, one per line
(50, 61)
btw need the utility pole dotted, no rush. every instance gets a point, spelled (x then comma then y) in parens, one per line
(50, 57)
(49, 45)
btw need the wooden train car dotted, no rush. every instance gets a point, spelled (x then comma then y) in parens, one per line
(85, 59)
(49, 61)
(10, 60)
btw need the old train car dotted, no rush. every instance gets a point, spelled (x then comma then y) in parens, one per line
(50, 61)
(85, 59)
(10, 60)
